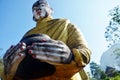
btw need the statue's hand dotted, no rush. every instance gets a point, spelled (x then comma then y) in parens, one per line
(13, 56)
(51, 51)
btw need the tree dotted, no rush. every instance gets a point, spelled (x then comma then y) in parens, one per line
(95, 70)
(112, 33)
(115, 14)
(98, 74)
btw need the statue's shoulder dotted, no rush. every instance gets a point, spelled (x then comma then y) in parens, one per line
(61, 20)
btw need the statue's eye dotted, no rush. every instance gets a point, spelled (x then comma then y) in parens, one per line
(42, 5)
(36, 8)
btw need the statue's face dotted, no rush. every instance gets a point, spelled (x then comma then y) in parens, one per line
(40, 11)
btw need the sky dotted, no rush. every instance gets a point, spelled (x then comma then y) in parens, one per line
(90, 16)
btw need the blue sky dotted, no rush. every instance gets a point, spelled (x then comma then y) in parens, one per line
(91, 17)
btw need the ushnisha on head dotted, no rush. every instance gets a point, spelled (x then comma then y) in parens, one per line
(41, 9)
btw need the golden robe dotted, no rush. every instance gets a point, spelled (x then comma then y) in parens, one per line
(63, 30)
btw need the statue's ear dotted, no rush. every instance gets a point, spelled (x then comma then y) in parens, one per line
(49, 11)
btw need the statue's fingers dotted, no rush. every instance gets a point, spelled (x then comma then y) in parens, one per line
(18, 58)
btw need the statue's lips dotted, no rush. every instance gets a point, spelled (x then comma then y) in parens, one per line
(38, 12)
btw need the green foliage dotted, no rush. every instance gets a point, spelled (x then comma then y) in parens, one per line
(116, 77)
(115, 14)
(98, 74)
(112, 33)
(95, 70)
(103, 75)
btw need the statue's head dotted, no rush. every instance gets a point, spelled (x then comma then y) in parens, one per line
(41, 9)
